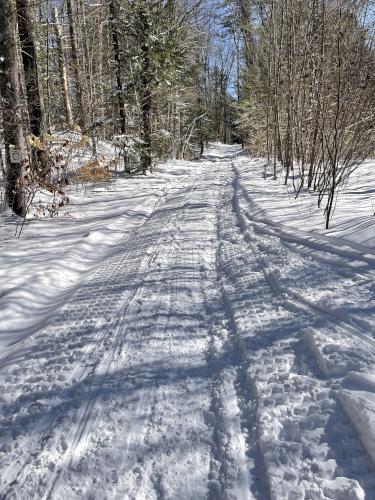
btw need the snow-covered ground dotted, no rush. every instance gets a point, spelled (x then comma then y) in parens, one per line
(191, 334)
(39, 271)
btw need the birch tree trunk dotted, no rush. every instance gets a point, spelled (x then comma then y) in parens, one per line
(77, 71)
(62, 67)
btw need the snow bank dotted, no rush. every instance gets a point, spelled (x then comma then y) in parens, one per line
(343, 488)
(360, 408)
(337, 353)
(362, 381)
(353, 220)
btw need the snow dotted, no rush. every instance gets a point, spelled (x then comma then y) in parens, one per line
(40, 270)
(360, 408)
(353, 222)
(337, 353)
(190, 334)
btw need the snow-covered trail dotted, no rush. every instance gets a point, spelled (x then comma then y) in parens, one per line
(202, 360)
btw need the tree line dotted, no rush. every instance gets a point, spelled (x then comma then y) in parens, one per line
(144, 74)
(292, 80)
(308, 88)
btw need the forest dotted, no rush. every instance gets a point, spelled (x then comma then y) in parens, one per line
(292, 81)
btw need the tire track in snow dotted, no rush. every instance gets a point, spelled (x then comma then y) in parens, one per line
(169, 223)
(102, 368)
(295, 407)
(151, 400)
(149, 407)
(87, 372)
(236, 471)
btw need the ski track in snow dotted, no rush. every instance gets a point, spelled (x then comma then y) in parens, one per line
(216, 355)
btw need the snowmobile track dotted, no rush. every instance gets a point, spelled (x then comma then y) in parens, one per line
(87, 369)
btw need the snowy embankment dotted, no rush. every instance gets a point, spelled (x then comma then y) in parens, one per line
(194, 335)
(353, 219)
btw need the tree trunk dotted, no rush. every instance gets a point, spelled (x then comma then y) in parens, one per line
(34, 97)
(118, 71)
(77, 67)
(62, 67)
(146, 156)
(11, 107)
(146, 105)
(289, 146)
(35, 104)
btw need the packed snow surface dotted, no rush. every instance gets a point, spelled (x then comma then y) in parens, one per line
(194, 334)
